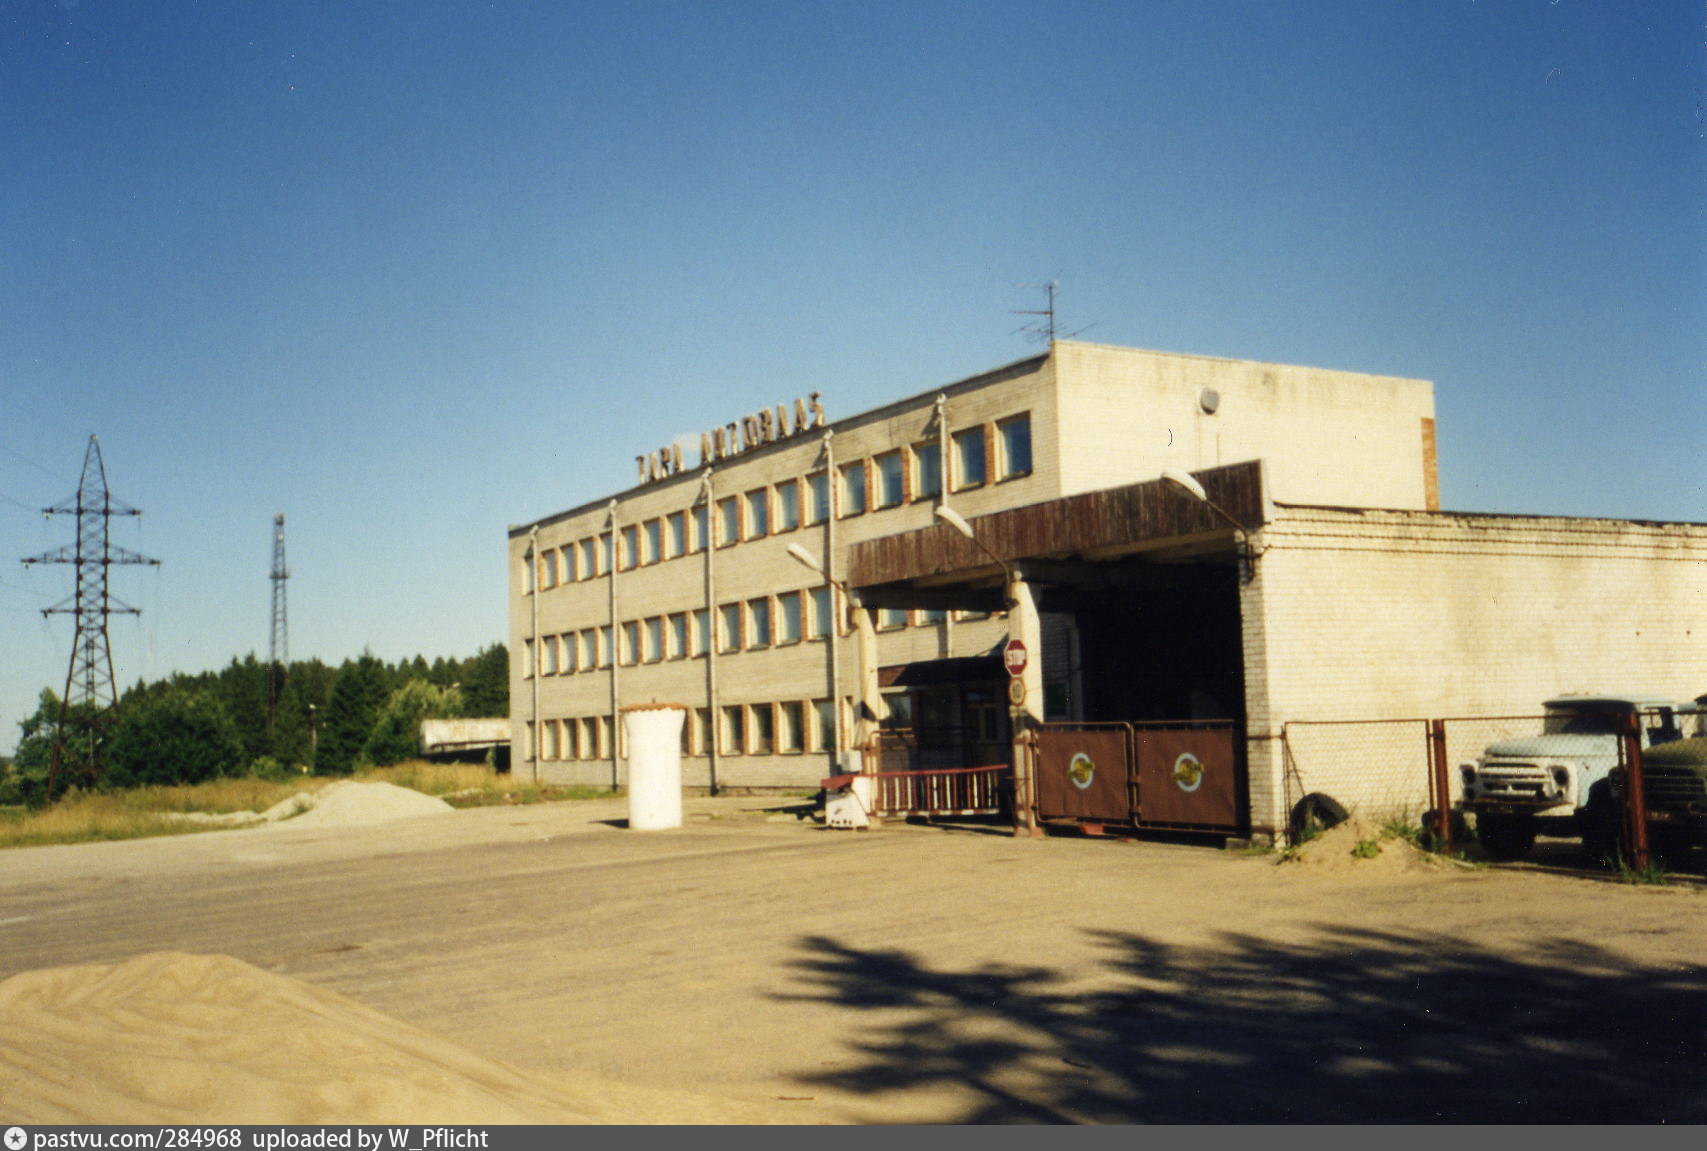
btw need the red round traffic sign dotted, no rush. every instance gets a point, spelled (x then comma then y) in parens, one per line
(1015, 657)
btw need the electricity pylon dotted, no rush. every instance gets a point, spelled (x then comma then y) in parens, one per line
(89, 707)
(278, 652)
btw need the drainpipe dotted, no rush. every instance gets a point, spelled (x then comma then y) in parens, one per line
(834, 641)
(712, 718)
(943, 471)
(615, 651)
(533, 649)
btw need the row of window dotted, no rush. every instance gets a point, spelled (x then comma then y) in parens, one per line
(884, 481)
(789, 727)
(748, 625)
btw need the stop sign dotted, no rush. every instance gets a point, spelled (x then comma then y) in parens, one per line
(1015, 658)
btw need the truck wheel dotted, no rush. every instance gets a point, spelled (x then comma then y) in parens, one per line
(1505, 837)
(1600, 829)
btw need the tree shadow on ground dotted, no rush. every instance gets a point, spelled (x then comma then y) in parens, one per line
(1348, 1027)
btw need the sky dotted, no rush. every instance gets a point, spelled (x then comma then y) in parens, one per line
(412, 273)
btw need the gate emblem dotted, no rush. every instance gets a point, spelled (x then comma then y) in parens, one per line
(1188, 772)
(1081, 770)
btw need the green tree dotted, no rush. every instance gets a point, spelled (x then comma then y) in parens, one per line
(357, 696)
(396, 734)
(176, 737)
(486, 683)
(26, 780)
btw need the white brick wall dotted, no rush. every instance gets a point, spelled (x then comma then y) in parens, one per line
(1387, 614)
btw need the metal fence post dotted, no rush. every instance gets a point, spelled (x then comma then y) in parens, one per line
(1441, 783)
(1635, 799)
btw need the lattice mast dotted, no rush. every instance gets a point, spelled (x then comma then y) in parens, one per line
(89, 706)
(278, 649)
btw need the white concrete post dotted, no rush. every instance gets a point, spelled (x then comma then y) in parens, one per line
(654, 765)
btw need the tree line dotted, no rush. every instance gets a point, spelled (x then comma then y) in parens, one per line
(328, 720)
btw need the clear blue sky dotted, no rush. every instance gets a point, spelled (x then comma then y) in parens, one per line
(413, 272)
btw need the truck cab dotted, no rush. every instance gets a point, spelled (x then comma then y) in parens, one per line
(1548, 783)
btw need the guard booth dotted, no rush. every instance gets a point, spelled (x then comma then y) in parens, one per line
(1128, 711)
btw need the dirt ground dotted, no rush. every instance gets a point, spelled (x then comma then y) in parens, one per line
(916, 974)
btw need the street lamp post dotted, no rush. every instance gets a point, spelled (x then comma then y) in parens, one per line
(1186, 484)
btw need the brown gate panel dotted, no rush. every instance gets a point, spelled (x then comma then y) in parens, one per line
(1188, 776)
(1083, 775)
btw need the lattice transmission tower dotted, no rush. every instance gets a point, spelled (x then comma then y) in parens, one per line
(278, 650)
(89, 707)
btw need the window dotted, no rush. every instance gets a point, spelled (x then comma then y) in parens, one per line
(936, 615)
(891, 617)
(586, 739)
(1014, 438)
(927, 470)
(890, 480)
(567, 639)
(791, 726)
(527, 575)
(679, 635)
(602, 725)
(654, 639)
(589, 559)
(729, 521)
(730, 621)
(969, 458)
(654, 542)
(548, 749)
(853, 489)
(631, 642)
(702, 631)
(676, 535)
(788, 617)
(630, 547)
(899, 705)
(818, 625)
(787, 506)
(568, 563)
(589, 649)
(817, 497)
(760, 729)
(607, 549)
(528, 669)
(758, 514)
(701, 725)
(732, 731)
(825, 733)
(701, 529)
(548, 569)
(548, 655)
(605, 638)
(758, 623)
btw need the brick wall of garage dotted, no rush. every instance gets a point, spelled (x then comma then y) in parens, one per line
(1362, 614)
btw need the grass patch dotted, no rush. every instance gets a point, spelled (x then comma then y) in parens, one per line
(143, 812)
(476, 785)
(1653, 875)
(1367, 848)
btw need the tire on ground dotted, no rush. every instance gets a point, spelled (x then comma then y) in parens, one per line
(1315, 813)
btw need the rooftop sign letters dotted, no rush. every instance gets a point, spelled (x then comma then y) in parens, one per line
(762, 427)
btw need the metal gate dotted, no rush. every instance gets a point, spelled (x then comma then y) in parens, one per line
(1187, 774)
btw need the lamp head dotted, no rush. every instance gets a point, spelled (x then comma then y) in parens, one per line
(954, 520)
(805, 558)
(1186, 483)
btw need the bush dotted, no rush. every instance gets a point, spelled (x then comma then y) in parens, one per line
(177, 737)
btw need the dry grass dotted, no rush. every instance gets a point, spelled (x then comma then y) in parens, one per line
(476, 785)
(148, 811)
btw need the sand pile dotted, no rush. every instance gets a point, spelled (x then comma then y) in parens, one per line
(172, 1038)
(1338, 849)
(346, 803)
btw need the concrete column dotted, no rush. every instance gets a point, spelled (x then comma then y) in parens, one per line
(1025, 625)
(870, 710)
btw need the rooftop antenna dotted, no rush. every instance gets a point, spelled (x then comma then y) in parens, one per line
(278, 651)
(89, 707)
(1044, 330)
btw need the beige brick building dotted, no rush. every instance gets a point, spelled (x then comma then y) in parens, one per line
(1289, 600)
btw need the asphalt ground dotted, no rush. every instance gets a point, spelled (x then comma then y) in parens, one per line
(921, 974)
